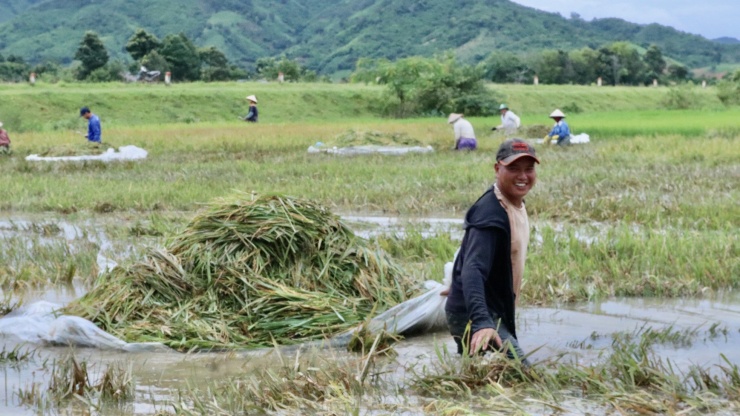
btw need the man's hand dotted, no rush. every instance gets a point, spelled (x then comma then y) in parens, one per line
(445, 292)
(482, 338)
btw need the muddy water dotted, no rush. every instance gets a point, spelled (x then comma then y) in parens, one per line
(578, 332)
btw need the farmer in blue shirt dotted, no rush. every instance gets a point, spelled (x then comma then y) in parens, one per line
(93, 126)
(560, 133)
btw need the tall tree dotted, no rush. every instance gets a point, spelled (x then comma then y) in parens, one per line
(141, 44)
(654, 60)
(215, 64)
(506, 67)
(182, 56)
(91, 53)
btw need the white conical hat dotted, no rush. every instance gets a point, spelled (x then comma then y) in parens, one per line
(453, 117)
(252, 98)
(557, 113)
(1, 123)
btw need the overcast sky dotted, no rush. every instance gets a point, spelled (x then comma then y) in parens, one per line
(709, 18)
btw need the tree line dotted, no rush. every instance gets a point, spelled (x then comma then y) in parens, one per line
(618, 63)
(419, 86)
(176, 54)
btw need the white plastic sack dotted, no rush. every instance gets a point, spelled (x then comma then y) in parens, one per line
(123, 153)
(370, 149)
(424, 313)
(38, 323)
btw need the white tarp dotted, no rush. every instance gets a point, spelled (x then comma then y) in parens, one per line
(574, 139)
(38, 323)
(123, 153)
(370, 149)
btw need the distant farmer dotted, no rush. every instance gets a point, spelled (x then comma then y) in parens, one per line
(487, 274)
(464, 134)
(560, 133)
(253, 113)
(94, 131)
(510, 122)
(4, 140)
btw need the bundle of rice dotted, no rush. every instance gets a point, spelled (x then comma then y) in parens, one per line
(244, 273)
(362, 138)
(76, 149)
(533, 131)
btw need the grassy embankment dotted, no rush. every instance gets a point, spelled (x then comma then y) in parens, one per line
(662, 184)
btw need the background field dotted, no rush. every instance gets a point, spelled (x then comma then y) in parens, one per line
(655, 181)
(647, 209)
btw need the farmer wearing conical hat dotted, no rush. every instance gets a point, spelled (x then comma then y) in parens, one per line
(560, 133)
(510, 122)
(252, 116)
(464, 134)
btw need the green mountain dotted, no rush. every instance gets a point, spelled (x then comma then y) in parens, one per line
(726, 40)
(330, 35)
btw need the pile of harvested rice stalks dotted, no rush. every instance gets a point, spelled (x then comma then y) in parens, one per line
(361, 138)
(248, 273)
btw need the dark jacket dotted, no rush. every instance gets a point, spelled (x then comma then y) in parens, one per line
(253, 115)
(482, 279)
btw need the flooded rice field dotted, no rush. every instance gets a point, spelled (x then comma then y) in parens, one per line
(691, 332)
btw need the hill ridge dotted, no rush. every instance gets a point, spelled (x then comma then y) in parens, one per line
(330, 35)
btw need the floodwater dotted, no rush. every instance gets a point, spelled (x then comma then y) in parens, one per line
(578, 332)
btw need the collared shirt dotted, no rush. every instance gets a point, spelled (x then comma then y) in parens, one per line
(463, 129)
(519, 224)
(510, 121)
(94, 131)
(560, 129)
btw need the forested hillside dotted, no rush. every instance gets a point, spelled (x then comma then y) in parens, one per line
(330, 35)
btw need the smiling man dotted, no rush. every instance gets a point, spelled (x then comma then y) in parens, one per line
(487, 273)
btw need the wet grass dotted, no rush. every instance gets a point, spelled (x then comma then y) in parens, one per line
(307, 383)
(29, 262)
(568, 266)
(74, 385)
(628, 377)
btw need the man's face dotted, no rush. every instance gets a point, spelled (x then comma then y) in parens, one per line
(516, 179)
(87, 116)
(503, 111)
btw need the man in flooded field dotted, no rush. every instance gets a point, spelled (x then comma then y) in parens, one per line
(487, 274)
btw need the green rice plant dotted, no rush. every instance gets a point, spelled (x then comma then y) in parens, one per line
(624, 261)
(245, 272)
(425, 256)
(649, 336)
(33, 262)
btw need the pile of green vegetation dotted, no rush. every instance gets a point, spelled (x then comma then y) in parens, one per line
(533, 131)
(248, 273)
(79, 149)
(361, 138)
